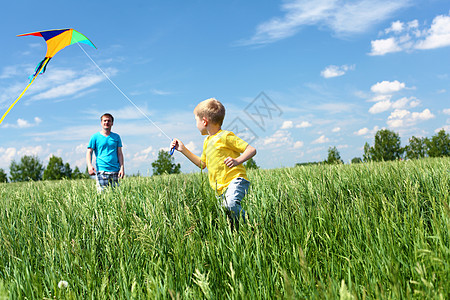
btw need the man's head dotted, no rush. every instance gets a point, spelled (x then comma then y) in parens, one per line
(107, 115)
(212, 110)
(107, 121)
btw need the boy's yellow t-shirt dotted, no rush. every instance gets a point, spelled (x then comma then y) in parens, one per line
(216, 148)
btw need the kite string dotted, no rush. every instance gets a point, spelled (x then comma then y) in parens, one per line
(107, 77)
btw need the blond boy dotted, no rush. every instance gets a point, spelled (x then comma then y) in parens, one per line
(223, 154)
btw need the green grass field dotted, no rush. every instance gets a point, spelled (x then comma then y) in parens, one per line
(362, 231)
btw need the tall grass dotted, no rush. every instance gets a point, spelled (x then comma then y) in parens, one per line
(376, 230)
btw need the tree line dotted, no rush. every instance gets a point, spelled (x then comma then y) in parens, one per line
(30, 168)
(387, 146)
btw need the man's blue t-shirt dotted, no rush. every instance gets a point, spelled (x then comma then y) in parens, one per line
(105, 149)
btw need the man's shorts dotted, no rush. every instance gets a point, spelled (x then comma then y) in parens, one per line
(105, 179)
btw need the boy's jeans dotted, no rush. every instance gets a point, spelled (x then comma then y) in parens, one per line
(232, 197)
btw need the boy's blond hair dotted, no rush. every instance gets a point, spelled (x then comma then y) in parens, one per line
(212, 110)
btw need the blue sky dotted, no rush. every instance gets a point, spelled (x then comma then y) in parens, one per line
(296, 77)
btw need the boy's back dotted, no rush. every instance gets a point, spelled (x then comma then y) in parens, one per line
(216, 148)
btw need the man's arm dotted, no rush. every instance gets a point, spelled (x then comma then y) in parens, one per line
(120, 157)
(248, 153)
(91, 168)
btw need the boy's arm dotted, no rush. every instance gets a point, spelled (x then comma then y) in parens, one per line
(179, 146)
(248, 153)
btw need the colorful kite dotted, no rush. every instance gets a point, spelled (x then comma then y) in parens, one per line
(56, 40)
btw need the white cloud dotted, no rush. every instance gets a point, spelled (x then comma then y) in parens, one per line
(81, 148)
(445, 127)
(59, 76)
(383, 46)
(378, 98)
(387, 87)
(423, 116)
(399, 104)
(70, 88)
(413, 24)
(316, 150)
(9, 93)
(80, 163)
(408, 37)
(298, 144)
(414, 103)
(21, 123)
(280, 137)
(287, 125)
(446, 111)
(10, 71)
(336, 129)
(144, 155)
(335, 71)
(366, 131)
(404, 118)
(36, 150)
(359, 16)
(380, 107)
(6, 155)
(193, 147)
(362, 131)
(396, 27)
(438, 35)
(303, 124)
(321, 140)
(342, 17)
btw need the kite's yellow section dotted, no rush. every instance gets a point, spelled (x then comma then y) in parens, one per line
(58, 42)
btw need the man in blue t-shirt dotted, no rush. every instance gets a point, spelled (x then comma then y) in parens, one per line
(107, 147)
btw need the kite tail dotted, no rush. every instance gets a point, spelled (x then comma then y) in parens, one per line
(42, 65)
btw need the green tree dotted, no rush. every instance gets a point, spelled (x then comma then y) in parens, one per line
(164, 164)
(29, 168)
(251, 164)
(356, 160)
(439, 145)
(67, 171)
(367, 156)
(3, 177)
(417, 148)
(56, 169)
(76, 174)
(387, 146)
(333, 156)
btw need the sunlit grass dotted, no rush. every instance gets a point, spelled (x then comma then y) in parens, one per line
(365, 231)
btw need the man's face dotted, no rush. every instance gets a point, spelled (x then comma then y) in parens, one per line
(107, 123)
